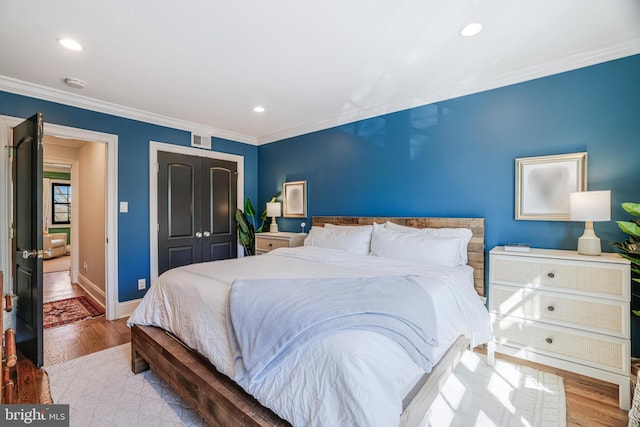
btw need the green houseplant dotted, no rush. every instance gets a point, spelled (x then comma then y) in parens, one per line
(630, 249)
(246, 223)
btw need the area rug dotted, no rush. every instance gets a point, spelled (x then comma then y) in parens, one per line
(69, 310)
(477, 394)
(102, 391)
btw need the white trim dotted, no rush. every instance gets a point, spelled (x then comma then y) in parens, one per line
(111, 254)
(6, 123)
(20, 87)
(92, 289)
(124, 309)
(566, 63)
(154, 147)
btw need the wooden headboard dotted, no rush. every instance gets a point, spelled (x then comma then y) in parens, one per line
(475, 250)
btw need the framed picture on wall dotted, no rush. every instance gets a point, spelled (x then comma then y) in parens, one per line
(543, 185)
(294, 196)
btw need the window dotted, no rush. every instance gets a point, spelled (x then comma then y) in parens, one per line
(61, 203)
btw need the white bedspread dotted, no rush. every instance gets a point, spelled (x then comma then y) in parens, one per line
(352, 377)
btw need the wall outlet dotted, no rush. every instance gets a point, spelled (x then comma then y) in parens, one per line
(142, 284)
(86, 267)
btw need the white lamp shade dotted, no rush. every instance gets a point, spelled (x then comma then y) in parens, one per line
(273, 209)
(590, 206)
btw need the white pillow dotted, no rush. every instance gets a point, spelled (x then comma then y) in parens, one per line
(415, 247)
(464, 234)
(356, 240)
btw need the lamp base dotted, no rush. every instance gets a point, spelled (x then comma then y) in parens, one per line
(273, 228)
(589, 243)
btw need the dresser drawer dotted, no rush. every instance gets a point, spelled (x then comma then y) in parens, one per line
(591, 314)
(595, 350)
(595, 278)
(271, 243)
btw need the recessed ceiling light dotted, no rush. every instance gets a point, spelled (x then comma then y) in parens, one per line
(74, 83)
(258, 109)
(70, 43)
(471, 29)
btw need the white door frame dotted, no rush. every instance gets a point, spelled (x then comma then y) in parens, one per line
(111, 261)
(154, 147)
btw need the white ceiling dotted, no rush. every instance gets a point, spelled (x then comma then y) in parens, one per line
(202, 65)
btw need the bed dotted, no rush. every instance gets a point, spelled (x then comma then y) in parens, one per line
(307, 383)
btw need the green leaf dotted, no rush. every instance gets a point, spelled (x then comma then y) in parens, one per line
(636, 312)
(632, 259)
(632, 208)
(636, 280)
(629, 227)
(248, 208)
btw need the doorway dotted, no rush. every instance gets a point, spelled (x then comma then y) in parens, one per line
(154, 149)
(74, 204)
(110, 141)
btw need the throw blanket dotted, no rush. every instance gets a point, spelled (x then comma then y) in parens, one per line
(269, 319)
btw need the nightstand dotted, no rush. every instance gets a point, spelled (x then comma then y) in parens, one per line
(266, 242)
(564, 310)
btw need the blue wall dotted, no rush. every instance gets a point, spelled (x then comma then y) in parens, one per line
(133, 173)
(456, 157)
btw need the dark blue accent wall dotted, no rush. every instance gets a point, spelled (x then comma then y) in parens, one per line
(133, 173)
(456, 157)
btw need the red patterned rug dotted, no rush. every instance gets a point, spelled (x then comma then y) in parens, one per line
(70, 310)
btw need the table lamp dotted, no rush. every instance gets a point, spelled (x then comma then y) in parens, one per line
(273, 211)
(590, 206)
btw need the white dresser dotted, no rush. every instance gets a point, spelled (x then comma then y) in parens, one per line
(564, 310)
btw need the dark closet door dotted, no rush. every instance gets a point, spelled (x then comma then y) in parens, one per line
(196, 201)
(219, 201)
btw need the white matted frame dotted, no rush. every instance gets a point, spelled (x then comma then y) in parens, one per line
(543, 185)
(294, 196)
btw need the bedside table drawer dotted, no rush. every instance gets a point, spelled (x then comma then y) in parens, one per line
(270, 243)
(590, 314)
(598, 351)
(562, 275)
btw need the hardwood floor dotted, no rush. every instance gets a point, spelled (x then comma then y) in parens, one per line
(78, 339)
(590, 403)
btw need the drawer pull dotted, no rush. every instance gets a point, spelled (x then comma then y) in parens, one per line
(551, 308)
(270, 244)
(549, 341)
(551, 275)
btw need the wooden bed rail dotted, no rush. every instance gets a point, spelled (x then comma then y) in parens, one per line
(8, 353)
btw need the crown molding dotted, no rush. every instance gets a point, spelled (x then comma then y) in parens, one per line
(20, 87)
(624, 48)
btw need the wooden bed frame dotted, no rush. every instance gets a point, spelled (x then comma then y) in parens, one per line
(223, 403)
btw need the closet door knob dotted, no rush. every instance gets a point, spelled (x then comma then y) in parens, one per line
(207, 234)
(198, 234)
(551, 275)
(551, 308)
(549, 341)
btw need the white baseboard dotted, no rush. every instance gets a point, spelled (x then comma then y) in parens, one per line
(92, 289)
(126, 308)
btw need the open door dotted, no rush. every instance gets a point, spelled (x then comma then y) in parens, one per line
(26, 165)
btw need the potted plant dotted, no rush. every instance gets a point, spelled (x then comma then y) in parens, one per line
(247, 225)
(630, 249)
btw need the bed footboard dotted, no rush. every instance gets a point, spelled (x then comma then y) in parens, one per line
(218, 399)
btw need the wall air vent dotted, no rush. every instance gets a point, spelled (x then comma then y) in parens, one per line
(200, 141)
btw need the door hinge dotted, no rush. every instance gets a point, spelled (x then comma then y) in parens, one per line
(11, 150)
(157, 167)
(12, 232)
